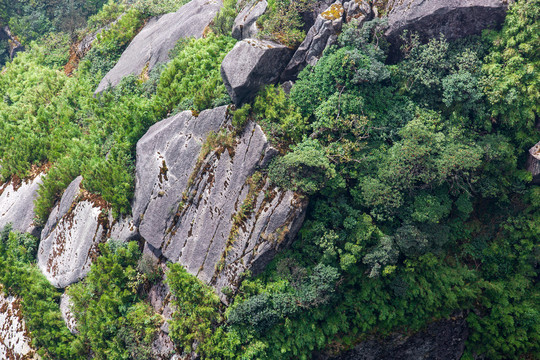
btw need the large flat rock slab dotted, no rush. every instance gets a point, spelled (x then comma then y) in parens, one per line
(15, 341)
(194, 211)
(17, 204)
(152, 45)
(452, 18)
(75, 228)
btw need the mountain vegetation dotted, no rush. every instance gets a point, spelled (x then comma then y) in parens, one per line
(420, 204)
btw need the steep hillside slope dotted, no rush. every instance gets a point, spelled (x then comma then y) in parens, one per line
(269, 179)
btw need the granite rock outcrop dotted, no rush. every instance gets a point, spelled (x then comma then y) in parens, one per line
(211, 212)
(152, 45)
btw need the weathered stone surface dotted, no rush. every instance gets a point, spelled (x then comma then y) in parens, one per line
(245, 24)
(70, 239)
(17, 204)
(162, 347)
(361, 10)
(191, 221)
(324, 33)
(309, 17)
(67, 314)
(122, 229)
(533, 163)
(441, 340)
(15, 341)
(453, 18)
(252, 64)
(152, 45)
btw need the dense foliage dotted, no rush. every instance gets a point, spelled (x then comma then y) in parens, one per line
(419, 204)
(112, 320)
(20, 277)
(420, 207)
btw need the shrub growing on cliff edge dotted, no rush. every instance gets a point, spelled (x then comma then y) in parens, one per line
(112, 320)
(19, 276)
(197, 311)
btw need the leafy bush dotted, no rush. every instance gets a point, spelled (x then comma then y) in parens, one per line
(305, 169)
(510, 72)
(112, 320)
(110, 44)
(194, 74)
(282, 21)
(158, 7)
(197, 309)
(278, 116)
(20, 277)
(224, 20)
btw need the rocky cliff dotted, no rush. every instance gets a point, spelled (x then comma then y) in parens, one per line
(210, 210)
(440, 340)
(202, 197)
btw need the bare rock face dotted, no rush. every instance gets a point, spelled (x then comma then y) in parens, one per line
(245, 25)
(152, 45)
(533, 163)
(67, 314)
(17, 204)
(452, 18)
(252, 64)
(15, 341)
(213, 215)
(70, 239)
(444, 339)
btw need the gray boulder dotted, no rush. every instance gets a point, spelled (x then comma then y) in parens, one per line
(67, 314)
(70, 238)
(252, 64)
(15, 340)
(533, 163)
(245, 24)
(452, 18)
(17, 204)
(152, 45)
(186, 206)
(75, 228)
(321, 35)
(440, 340)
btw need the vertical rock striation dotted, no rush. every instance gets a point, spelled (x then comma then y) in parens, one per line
(213, 214)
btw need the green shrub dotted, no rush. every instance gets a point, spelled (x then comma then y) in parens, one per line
(224, 20)
(194, 74)
(278, 116)
(19, 276)
(197, 309)
(282, 21)
(112, 320)
(306, 168)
